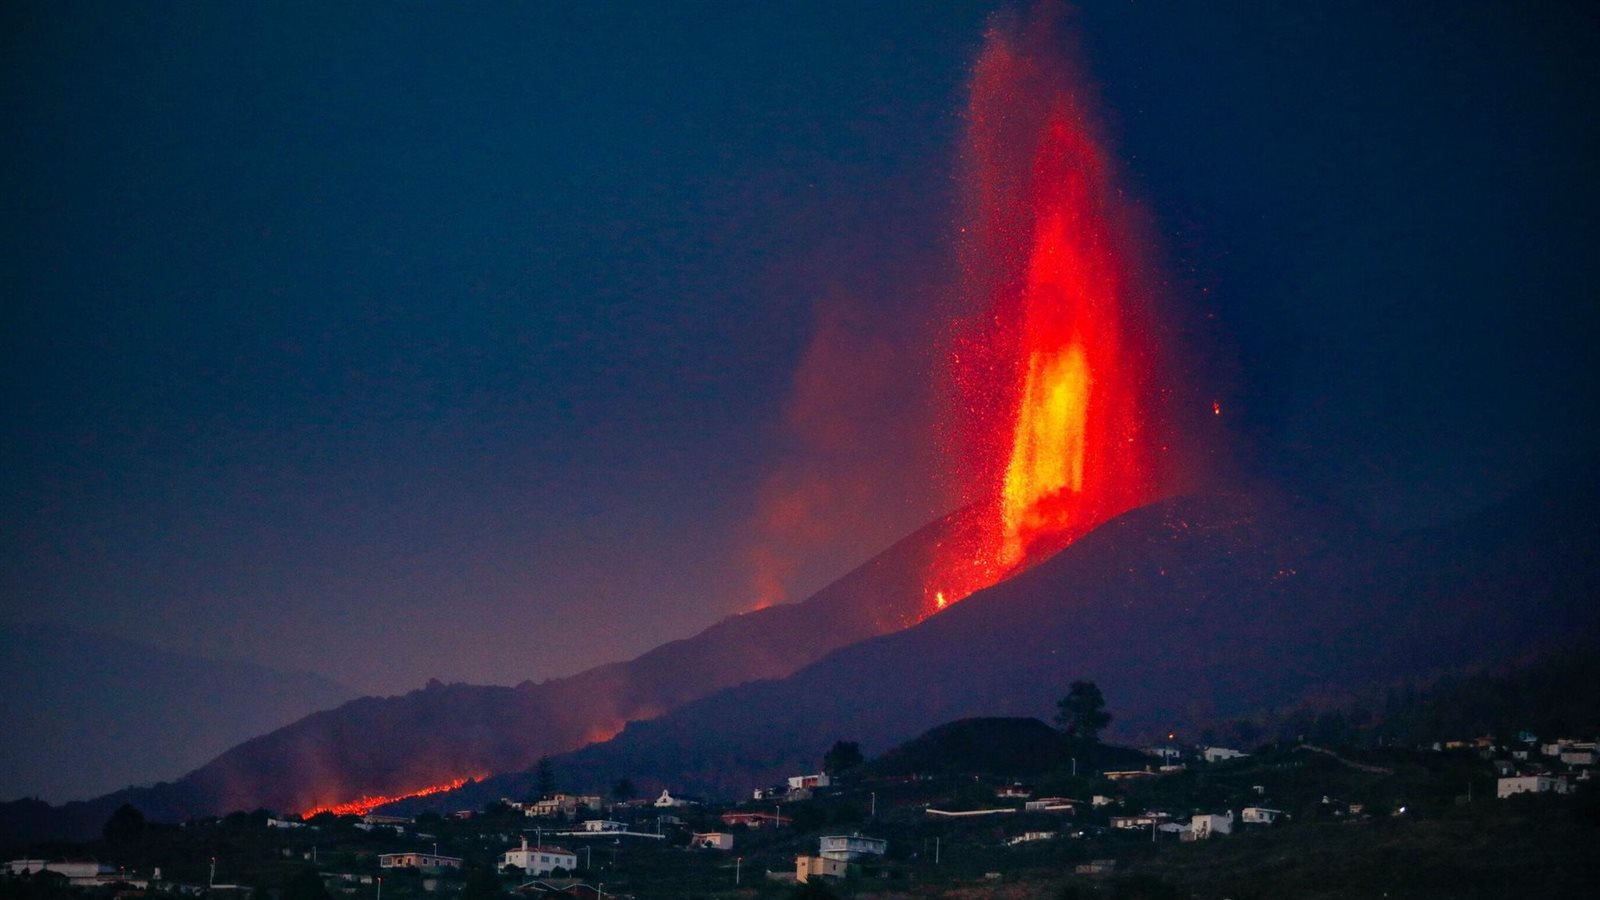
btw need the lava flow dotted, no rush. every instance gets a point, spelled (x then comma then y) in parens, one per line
(1052, 368)
(363, 805)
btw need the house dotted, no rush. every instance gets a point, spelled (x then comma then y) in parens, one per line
(1049, 804)
(1129, 774)
(712, 840)
(754, 820)
(539, 860)
(809, 782)
(78, 872)
(1218, 754)
(1013, 792)
(1096, 867)
(1203, 826)
(1531, 784)
(602, 826)
(1260, 815)
(1142, 820)
(379, 819)
(285, 823)
(1577, 757)
(1028, 837)
(818, 867)
(850, 847)
(562, 805)
(417, 861)
(667, 801)
(1100, 800)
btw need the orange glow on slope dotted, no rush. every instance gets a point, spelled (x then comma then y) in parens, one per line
(1053, 364)
(364, 805)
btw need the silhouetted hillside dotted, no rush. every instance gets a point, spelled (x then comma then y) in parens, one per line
(1186, 612)
(386, 746)
(1012, 747)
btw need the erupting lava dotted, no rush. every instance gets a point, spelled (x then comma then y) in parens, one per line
(1053, 369)
(363, 805)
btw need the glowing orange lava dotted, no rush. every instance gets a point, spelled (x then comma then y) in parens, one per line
(1052, 367)
(364, 805)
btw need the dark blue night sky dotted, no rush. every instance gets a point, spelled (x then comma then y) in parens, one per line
(392, 341)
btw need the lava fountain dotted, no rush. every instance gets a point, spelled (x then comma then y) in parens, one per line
(1053, 360)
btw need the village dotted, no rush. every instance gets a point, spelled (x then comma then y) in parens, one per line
(863, 829)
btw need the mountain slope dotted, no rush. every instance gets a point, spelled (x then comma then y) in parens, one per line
(1184, 612)
(392, 746)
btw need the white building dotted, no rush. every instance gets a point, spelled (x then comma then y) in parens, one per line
(539, 860)
(1531, 784)
(1218, 754)
(603, 826)
(79, 873)
(809, 782)
(417, 861)
(1260, 815)
(712, 840)
(1048, 804)
(667, 801)
(849, 847)
(1205, 825)
(1577, 757)
(1142, 820)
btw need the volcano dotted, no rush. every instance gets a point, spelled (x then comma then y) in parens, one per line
(1188, 612)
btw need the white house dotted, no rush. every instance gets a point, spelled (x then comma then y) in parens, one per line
(417, 861)
(1142, 820)
(1048, 804)
(1218, 754)
(809, 782)
(603, 826)
(1531, 784)
(1205, 825)
(539, 860)
(712, 840)
(76, 871)
(666, 800)
(850, 847)
(1576, 757)
(1260, 815)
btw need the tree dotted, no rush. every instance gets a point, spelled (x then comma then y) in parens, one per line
(1082, 713)
(544, 779)
(844, 756)
(125, 825)
(624, 790)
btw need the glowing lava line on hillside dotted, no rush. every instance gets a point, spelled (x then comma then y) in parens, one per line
(1053, 368)
(363, 805)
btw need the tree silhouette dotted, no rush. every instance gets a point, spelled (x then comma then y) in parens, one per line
(844, 756)
(125, 825)
(1081, 714)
